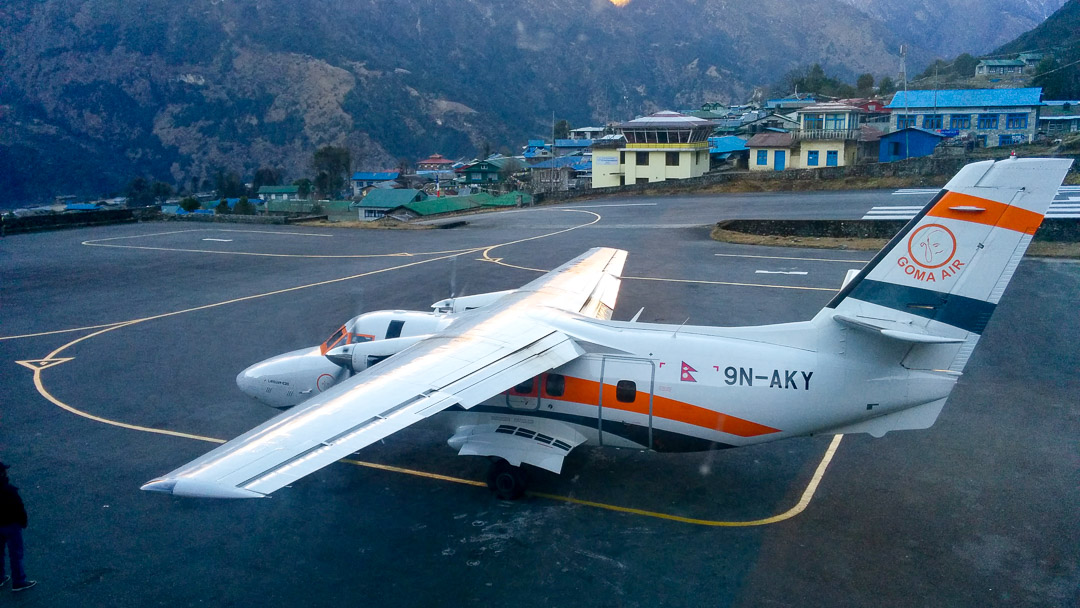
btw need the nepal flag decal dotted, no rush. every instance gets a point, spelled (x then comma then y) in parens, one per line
(685, 376)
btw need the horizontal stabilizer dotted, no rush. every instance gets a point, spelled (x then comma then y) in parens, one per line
(896, 331)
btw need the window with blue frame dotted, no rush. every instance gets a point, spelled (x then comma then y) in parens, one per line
(904, 121)
(1016, 121)
(831, 158)
(834, 122)
(813, 121)
(988, 121)
(931, 121)
(762, 157)
(960, 121)
(812, 158)
(1006, 140)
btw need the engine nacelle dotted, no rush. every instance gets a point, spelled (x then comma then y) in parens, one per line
(463, 303)
(360, 356)
(286, 380)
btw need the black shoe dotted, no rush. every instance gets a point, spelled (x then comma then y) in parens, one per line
(23, 586)
(4, 582)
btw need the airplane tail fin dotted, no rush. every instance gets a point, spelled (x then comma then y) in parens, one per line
(936, 283)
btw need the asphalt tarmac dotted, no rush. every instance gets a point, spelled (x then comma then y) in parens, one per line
(119, 348)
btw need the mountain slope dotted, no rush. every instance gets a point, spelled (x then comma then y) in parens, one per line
(98, 91)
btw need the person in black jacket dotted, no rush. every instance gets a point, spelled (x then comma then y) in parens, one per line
(12, 523)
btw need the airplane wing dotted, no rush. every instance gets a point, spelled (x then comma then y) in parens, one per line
(480, 354)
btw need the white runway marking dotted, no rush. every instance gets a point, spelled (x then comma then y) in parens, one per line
(1062, 209)
(777, 257)
(909, 191)
(613, 205)
(779, 272)
(219, 240)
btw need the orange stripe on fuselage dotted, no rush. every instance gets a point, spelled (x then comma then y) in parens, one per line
(587, 392)
(996, 214)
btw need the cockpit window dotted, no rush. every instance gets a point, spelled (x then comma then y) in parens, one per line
(342, 337)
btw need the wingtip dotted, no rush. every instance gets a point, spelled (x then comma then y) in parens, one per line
(199, 489)
(159, 485)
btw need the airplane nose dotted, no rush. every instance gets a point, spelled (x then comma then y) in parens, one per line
(246, 381)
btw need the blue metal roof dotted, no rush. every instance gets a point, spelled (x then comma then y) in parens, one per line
(376, 176)
(577, 163)
(721, 145)
(573, 143)
(964, 98)
(82, 207)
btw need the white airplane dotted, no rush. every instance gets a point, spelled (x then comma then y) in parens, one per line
(525, 376)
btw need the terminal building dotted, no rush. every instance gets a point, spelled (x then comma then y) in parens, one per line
(654, 148)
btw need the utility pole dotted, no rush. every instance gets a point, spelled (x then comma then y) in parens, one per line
(907, 109)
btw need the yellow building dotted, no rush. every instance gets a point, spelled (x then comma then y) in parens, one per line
(654, 148)
(773, 151)
(828, 135)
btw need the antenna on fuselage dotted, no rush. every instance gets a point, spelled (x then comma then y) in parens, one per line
(676, 332)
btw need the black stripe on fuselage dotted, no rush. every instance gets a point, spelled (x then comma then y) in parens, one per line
(663, 441)
(893, 242)
(968, 314)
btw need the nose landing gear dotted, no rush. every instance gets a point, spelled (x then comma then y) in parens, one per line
(507, 481)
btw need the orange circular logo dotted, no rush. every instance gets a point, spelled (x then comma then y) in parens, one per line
(932, 246)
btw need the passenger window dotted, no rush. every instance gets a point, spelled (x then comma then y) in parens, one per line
(626, 391)
(394, 329)
(555, 385)
(525, 387)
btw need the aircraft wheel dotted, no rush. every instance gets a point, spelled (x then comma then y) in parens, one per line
(507, 481)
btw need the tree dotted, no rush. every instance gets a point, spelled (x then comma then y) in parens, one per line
(305, 187)
(138, 192)
(222, 207)
(160, 191)
(886, 86)
(244, 207)
(865, 84)
(1057, 81)
(403, 165)
(331, 165)
(964, 65)
(189, 203)
(562, 129)
(265, 176)
(487, 150)
(228, 184)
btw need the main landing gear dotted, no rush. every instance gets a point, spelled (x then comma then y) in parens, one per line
(507, 481)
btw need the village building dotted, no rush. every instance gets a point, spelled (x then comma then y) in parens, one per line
(655, 148)
(828, 135)
(435, 162)
(907, 143)
(362, 180)
(988, 67)
(561, 174)
(1057, 118)
(990, 117)
(587, 133)
(278, 193)
(772, 151)
(379, 201)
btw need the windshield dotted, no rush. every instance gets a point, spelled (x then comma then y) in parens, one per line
(342, 337)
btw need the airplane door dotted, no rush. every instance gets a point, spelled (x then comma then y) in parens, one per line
(626, 401)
